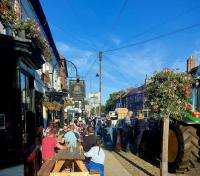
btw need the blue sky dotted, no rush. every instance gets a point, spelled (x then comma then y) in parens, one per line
(81, 28)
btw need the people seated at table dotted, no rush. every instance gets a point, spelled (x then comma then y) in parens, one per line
(49, 127)
(97, 156)
(70, 137)
(48, 145)
(89, 140)
(76, 128)
(81, 132)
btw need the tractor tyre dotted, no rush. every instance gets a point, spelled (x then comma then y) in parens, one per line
(183, 148)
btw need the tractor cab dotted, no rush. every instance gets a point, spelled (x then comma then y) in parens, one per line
(193, 117)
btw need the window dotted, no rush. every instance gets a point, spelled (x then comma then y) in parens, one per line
(25, 92)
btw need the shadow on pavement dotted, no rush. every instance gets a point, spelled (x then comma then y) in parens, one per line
(135, 165)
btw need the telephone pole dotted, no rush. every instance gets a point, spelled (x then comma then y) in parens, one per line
(100, 80)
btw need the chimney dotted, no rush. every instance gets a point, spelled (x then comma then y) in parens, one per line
(190, 63)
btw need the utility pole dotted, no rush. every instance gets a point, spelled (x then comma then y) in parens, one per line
(100, 80)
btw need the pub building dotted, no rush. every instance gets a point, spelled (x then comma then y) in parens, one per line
(22, 69)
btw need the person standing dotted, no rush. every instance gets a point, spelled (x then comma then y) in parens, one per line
(128, 131)
(98, 127)
(140, 126)
(108, 128)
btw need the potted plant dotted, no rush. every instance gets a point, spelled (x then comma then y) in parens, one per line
(7, 15)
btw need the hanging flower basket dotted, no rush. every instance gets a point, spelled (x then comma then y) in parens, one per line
(8, 15)
(52, 106)
(68, 103)
(32, 32)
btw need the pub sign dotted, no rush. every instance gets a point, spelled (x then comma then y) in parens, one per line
(77, 89)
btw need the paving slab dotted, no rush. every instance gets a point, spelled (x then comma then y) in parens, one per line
(113, 167)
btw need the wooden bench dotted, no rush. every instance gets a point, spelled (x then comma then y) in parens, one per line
(46, 167)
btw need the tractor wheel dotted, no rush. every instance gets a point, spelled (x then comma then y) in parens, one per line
(183, 148)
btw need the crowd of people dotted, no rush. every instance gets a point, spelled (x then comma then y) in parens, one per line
(88, 136)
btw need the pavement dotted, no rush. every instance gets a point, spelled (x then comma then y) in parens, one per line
(113, 167)
(13, 171)
(137, 166)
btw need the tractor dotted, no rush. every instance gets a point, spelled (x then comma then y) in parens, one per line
(184, 134)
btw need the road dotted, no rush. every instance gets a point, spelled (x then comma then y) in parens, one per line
(127, 164)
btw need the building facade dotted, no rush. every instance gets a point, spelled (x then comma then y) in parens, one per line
(133, 99)
(29, 68)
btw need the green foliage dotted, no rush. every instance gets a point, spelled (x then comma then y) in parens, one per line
(109, 102)
(95, 111)
(168, 93)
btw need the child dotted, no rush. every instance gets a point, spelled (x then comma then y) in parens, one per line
(97, 157)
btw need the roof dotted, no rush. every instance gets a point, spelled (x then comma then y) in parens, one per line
(42, 18)
(194, 70)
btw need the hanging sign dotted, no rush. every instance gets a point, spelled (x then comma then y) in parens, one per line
(77, 89)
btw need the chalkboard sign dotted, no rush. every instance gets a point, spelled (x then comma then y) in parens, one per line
(2, 121)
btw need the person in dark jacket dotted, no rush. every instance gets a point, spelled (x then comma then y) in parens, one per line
(89, 140)
(140, 126)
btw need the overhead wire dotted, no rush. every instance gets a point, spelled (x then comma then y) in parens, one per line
(116, 22)
(91, 67)
(153, 38)
(72, 36)
(163, 23)
(91, 41)
(80, 22)
(116, 67)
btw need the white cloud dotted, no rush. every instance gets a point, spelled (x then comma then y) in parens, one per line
(70, 50)
(80, 57)
(115, 40)
(62, 47)
(136, 64)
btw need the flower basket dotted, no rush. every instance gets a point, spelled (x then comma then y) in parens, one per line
(32, 32)
(8, 15)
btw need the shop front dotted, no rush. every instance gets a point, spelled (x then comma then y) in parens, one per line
(18, 120)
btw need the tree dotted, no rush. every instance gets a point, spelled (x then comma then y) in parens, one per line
(168, 95)
(95, 110)
(109, 102)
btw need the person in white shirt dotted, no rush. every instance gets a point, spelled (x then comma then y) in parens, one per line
(97, 156)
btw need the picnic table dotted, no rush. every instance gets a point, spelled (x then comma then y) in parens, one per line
(66, 163)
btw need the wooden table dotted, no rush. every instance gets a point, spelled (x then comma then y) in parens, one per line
(64, 157)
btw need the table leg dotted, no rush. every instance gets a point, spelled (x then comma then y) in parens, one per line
(58, 165)
(73, 166)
